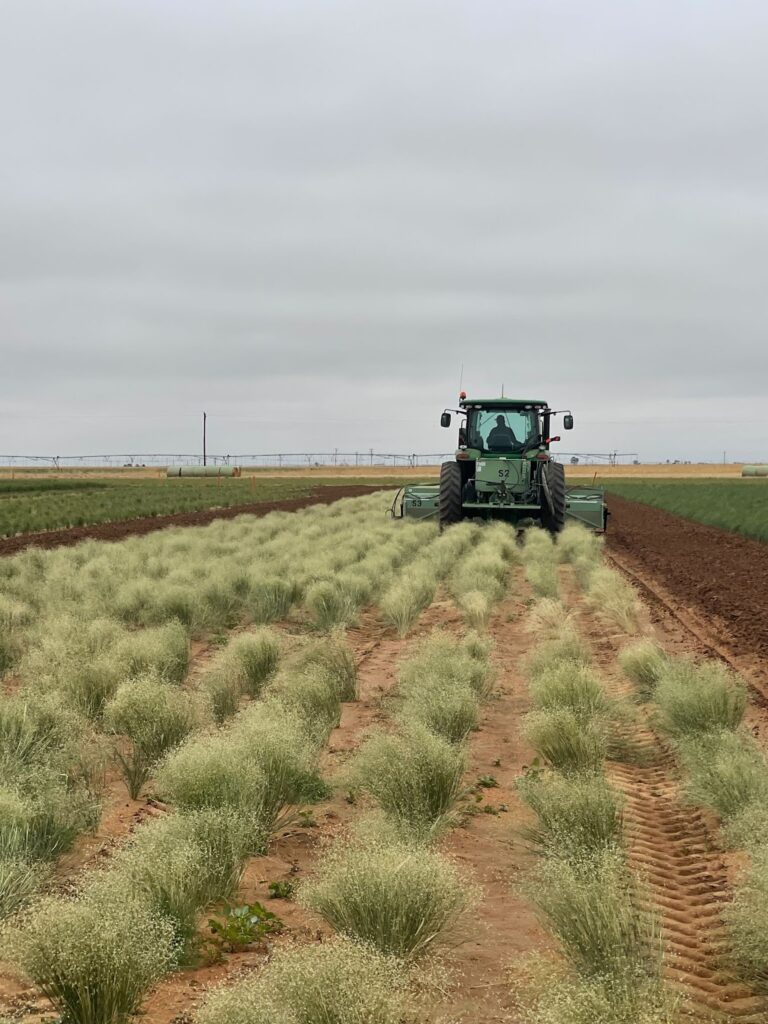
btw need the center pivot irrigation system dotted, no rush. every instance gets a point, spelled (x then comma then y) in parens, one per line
(503, 470)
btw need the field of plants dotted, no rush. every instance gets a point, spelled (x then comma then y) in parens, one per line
(737, 505)
(28, 505)
(322, 767)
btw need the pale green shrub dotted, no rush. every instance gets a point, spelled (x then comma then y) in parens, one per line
(95, 959)
(644, 663)
(283, 744)
(476, 608)
(221, 687)
(746, 921)
(20, 880)
(543, 578)
(334, 659)
(548, 994)
(256, 655)
(155, 717)
(450, 711)
(39, 729)
(577, 815)
(209, 772)
(726, 771)
(180, 864)
(271, 598)
(571, 686)
(748, 828)
(40, 816)
(614, 599)
(160, 649)
(79, 658)
(404, 601)
(446, 662)
(393, 895)
(330, 603)
(577, 542)
(548, 618)
(538, 546)
(566, 741)
(415, 776)
(339, 982)
(564, 646)
(699, 698)
(313, 698)
(222, 598)
(591, 907)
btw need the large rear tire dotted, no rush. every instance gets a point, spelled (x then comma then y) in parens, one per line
(449, 503)
(554, 519)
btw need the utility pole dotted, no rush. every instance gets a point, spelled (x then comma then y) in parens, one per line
(205, 456)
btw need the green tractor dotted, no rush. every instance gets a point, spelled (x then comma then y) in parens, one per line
(503, 470)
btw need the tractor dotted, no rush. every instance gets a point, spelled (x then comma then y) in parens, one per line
(503, 470)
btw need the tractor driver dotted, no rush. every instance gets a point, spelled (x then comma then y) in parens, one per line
(502, 436)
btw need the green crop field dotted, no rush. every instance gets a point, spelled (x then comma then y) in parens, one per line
(30, 505)
(737, 505)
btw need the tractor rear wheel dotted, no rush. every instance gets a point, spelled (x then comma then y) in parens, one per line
(554, 519)
(449, 503)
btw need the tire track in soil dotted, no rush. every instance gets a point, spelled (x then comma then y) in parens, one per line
(672, 849)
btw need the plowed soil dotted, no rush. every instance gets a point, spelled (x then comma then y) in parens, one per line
(148, 524)
(714, 578)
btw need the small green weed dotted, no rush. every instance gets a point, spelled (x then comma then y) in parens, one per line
(244, 926)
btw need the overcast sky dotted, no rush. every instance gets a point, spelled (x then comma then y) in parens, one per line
(305, 215)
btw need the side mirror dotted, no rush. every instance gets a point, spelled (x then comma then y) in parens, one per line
(445, 419)
(568, 422)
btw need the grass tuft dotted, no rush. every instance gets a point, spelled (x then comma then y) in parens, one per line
(95, 958)
(565, 741)
(393, 895)
(154, 717)
(695, 699)
(338, 982)
(571, 686)
(644, 663)
(415, 776)
(746, 920)
(590, 906)
(613, 598)
(577, 816)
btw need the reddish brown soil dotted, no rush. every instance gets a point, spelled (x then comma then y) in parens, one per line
(717, 579)
(148, 524)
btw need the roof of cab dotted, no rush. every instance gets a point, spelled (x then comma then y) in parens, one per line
(500, 403)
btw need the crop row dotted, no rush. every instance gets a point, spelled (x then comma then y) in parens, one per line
(28, 506)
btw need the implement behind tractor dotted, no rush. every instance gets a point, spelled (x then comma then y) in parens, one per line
(503, 470)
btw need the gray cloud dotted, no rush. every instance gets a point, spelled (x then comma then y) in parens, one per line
(307, 216)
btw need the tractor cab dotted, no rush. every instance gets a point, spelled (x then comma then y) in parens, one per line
(502, 426)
